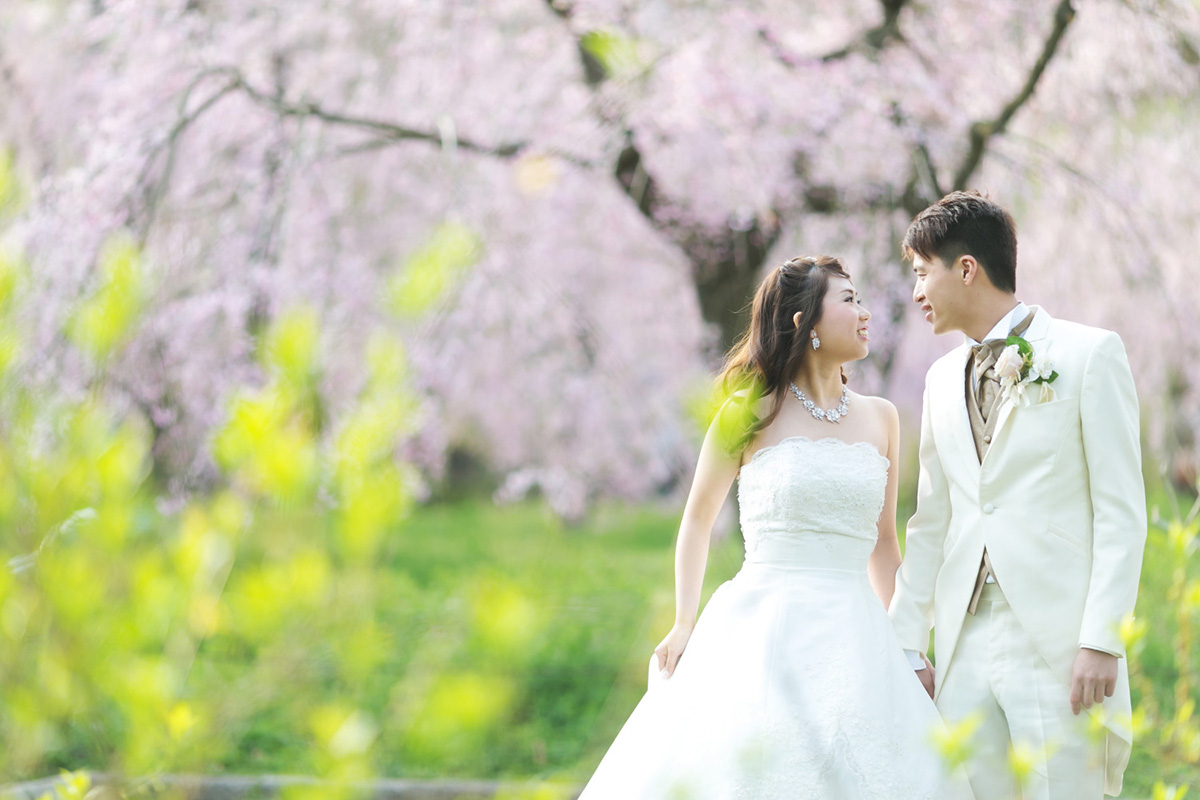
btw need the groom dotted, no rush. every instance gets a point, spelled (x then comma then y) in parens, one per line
(1026, 546)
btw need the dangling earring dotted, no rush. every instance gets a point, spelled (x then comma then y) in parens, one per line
(816, 342)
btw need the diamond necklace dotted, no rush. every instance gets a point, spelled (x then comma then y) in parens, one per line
(833, 414)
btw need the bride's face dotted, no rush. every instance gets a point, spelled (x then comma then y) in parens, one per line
(843, 325)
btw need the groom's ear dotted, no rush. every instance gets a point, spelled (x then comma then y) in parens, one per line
(968, 269)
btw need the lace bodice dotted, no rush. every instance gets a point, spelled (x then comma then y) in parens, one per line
(822, 487)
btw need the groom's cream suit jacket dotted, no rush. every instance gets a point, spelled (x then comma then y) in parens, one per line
(1058, 501)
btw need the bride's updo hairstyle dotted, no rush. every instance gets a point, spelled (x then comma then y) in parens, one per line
(767, 356)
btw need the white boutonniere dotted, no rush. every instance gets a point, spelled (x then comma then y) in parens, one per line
(1024, 376)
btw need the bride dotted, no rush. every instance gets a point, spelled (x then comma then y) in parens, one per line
(792, 684)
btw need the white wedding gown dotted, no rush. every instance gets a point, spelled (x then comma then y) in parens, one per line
(793, 684)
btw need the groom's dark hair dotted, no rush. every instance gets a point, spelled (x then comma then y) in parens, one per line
(967, 223)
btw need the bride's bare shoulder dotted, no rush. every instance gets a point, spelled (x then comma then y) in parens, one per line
(880, 408)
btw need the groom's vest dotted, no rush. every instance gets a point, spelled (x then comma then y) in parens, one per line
(983, 427)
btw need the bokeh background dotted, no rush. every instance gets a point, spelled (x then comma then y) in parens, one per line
(356, 353)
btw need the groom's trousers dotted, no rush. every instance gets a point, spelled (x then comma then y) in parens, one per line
(1024, 708)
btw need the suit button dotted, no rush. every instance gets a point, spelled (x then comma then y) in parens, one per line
(987, 439)
(988, 508)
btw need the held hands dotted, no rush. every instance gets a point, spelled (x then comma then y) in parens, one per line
(671, 648)
(926, 676)
(1093, 678)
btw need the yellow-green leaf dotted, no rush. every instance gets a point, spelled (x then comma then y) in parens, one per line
(430, 272)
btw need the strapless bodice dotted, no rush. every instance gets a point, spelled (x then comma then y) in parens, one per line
(801, 499)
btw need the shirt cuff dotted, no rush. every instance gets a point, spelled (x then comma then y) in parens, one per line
(1092, 647)
(914, 660)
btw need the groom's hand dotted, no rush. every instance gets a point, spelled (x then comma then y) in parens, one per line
(1093, 678)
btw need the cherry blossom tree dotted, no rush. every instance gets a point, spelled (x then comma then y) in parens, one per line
(591, 186)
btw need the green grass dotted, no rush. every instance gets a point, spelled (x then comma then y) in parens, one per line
(602, 598)
(1156, 661)
(501, 644)
(495, 643)
(605, 591)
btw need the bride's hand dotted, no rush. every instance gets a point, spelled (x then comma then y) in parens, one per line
(671, 648)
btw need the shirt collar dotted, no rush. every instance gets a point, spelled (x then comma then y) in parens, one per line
(1006, 324)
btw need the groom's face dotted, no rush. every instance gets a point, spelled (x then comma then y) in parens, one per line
(940, 292)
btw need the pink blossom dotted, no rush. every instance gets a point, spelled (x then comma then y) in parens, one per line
(217, 134)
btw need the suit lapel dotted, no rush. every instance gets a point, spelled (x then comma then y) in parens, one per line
(1004, 411)
(1039, 327)
(954, 392)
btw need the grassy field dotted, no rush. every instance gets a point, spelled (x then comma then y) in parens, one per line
(582, 609)
(487, 642)
(604, 595)
(600, 598)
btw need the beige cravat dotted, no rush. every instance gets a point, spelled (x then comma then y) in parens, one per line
(987, 387)
(984, 394)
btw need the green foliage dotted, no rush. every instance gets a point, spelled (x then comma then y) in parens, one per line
(71, 786)
(433, 269)
(12, 278)
(1025, 348)
(1163, 645)
(954, 743)
(727, 412)
(482, 642)
(1165, 792)
(90, 593)
(290, 351)
(243, 628)
(619, 55)
(106, 317)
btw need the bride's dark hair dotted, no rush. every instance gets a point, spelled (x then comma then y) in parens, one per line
(767, 356)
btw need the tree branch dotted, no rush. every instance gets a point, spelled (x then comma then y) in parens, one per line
(634, 179)
(982, 132)
(1184, 44)
(629, 169)
(924, 171)
(152, 190)
(383, 133)
(593, 71)
(870, 41)
(445, 137)
(9, 77)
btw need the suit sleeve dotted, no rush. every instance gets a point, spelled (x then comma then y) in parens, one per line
(912, 605)
(1110, 423)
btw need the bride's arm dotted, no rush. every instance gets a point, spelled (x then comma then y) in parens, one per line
(885, 559)
(715, 472)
